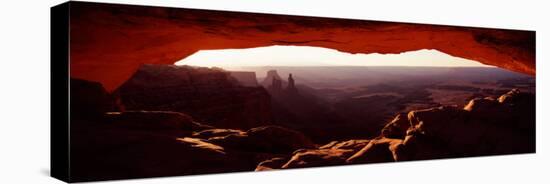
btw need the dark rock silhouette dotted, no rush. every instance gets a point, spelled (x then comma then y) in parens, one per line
(140, 143)
(271, 139)
(291, 81)
(397, 128)
(136, 144)
(90, 100)
(291, 88)
(483, 127)
(303, 111)
(297, 108)
(166, 122)
(247, 79)
(276, 85)
(208, 95)
(273, 82)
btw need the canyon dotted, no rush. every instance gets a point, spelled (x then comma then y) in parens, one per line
(135, 114)
(128, 133)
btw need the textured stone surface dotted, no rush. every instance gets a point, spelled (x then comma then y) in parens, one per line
(132, 144)
(483, 127)
(270, 139)
(109, 42)
(271, 164)
(397, 127)
(378, 150)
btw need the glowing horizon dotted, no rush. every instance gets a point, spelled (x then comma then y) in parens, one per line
(318, 56)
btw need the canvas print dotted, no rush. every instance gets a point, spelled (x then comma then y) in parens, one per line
(159, 91)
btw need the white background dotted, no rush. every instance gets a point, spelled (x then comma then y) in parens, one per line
(24, 91)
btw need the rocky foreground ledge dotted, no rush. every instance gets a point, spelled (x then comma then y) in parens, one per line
(136, 144)
(483, 127)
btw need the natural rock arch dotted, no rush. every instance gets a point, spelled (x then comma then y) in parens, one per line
(109, 42)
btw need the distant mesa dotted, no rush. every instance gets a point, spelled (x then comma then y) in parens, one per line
(272, 76)
(221, 98)
(247, 79)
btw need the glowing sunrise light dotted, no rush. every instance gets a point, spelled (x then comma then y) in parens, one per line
(317, 56)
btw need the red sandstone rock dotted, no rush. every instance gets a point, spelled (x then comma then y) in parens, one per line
(147, 144)
(397, 127)
(271, 164)
(109, 42)
(333, 153)
(354, 144)
(483, 127)
(378, 150)
(318, 157)
(210, 133)
(271, 139)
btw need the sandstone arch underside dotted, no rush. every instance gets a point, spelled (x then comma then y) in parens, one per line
(109, 42)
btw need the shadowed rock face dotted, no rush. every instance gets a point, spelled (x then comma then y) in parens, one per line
(136, 144)
(133, 144)
(247, 79)
(109, 42)
(208, 95)
(116, 149)
(152, 144)
(483, 127)
(270, 139)
(90, 100)
(397, 128)
(378, 150)
(165, 122)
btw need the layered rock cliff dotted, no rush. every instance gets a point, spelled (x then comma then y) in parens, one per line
(132, 144)
(209, 95)
(108, 145)
(247, 79)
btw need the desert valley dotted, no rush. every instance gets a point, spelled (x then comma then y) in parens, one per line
(177, 120)
(160, 91)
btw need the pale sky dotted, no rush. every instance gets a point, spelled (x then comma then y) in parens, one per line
(317, 56)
